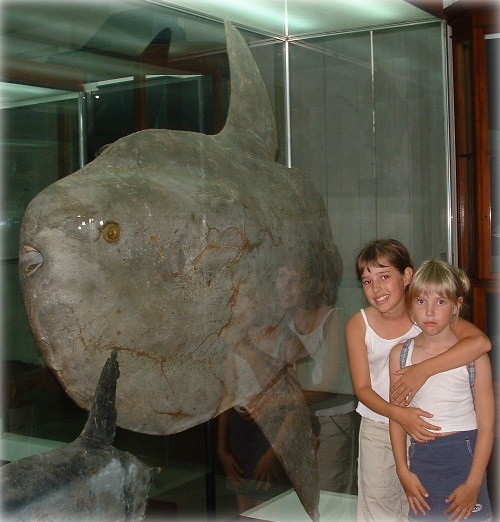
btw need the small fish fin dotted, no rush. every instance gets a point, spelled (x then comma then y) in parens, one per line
(100, 428)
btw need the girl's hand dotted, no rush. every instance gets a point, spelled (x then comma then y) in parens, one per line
(463, 501)
(410, 419)
(232, 468)
(411, 379)
(265, 470)
(415, 492)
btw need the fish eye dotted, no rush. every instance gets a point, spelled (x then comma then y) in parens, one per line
(111, 232)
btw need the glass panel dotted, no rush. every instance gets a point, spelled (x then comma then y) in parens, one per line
(180, 102)
(40, 144)
(136, 65)
(282, 17)
(332, 140)
(132, 66)
(373, 137)
(368, 125)
(411, 190)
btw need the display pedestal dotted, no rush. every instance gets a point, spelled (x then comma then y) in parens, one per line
(334, 507)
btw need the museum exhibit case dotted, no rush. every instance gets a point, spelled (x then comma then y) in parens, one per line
(258, 254)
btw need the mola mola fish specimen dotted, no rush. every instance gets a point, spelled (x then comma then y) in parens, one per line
(187, 254)
(86, 480)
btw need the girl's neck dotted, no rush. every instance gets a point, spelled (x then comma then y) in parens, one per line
(389, 325)
(398, 313)
(306, 320)
(435, 344)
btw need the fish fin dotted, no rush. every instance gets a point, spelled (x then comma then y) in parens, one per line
(283, 416)
(250, 118)
(100, 428)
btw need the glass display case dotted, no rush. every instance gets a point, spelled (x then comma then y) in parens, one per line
(361, 110)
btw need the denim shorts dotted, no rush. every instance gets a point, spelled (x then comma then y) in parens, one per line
(442, 465)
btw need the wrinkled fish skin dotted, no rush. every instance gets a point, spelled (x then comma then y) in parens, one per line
(170, 249)
(88, 480)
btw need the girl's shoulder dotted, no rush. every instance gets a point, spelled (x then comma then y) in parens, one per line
(371, 314)
(356, 320)
(356, 327)
(364, 319)
(374, 319)
(388, 328)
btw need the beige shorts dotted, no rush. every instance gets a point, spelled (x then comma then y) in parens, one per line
(381, 497)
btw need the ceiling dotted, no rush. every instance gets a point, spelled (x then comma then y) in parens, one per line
(82, 42)
(299, 17)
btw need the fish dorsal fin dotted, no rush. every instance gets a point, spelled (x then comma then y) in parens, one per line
(100, 428)
(250, 118)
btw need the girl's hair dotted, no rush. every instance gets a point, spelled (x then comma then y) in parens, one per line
(440, 277)
(394, 252)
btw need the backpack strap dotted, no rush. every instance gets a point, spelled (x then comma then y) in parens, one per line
(404, 352)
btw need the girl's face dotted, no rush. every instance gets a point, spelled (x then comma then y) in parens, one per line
(433, 313)
(290, 287)
(384, 286)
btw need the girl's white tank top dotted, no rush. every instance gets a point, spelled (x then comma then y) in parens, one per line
(448, 397)
(378, 361)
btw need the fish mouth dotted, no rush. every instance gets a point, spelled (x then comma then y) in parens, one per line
(30, 260)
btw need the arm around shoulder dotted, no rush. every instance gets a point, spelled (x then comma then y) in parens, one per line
(476, 341)
(472, 344)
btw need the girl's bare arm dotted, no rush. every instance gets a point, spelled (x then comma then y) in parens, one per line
(472, 344)
(409, 418)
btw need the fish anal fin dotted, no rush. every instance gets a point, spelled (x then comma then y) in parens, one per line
(283, 416)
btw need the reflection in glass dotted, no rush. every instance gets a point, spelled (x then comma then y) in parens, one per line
(140, 65)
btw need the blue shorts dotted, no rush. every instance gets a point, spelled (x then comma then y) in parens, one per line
(442, 465)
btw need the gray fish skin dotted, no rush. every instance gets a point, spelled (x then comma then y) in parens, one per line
(75, 483)
(168, 248)
(86, 480)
